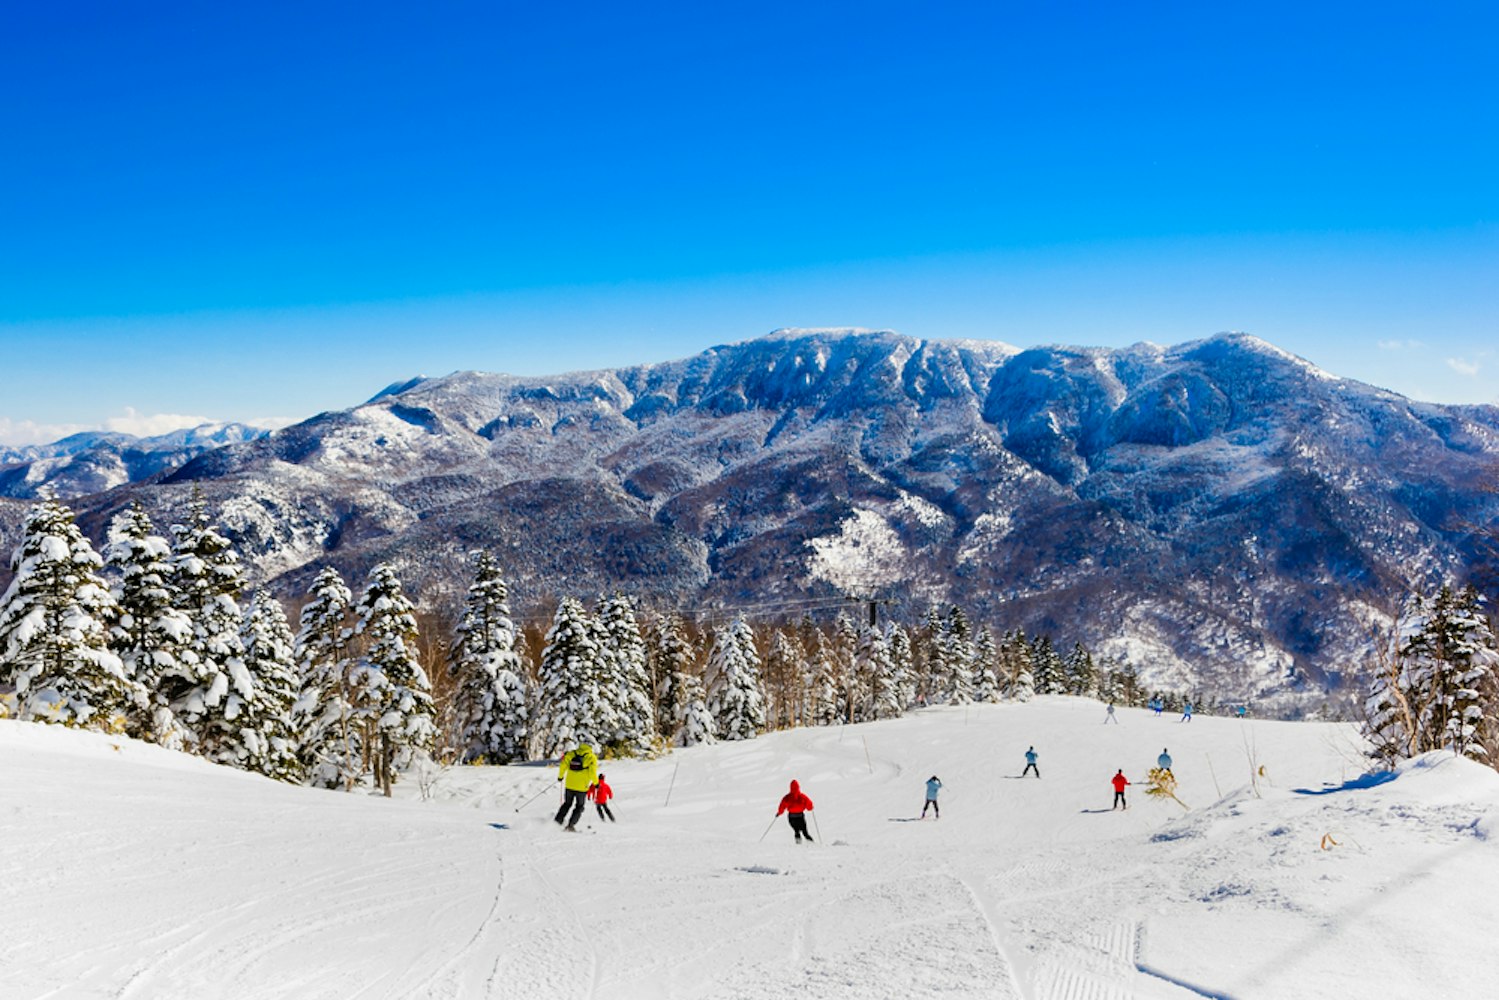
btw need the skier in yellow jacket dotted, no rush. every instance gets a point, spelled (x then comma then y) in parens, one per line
(578, 770)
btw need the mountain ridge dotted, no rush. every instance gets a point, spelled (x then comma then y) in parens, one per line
(1218, 513)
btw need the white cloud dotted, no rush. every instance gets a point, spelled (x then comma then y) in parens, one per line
(23, 432)
(152, 424)
(1463, 366)
(1401, 345)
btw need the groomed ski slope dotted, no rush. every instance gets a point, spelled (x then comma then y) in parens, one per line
(133, 872)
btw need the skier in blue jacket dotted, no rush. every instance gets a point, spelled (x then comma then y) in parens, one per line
(1164, 762)
(933, 786)
(1030, 763)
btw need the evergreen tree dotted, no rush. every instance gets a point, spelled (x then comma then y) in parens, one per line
(733, 683)
(207, 575)
(985, 656)
(1082, 677)
(958, 657)
(567, 702)
(266, 739)
(844, 651)
(490, 700)
(783, 676)
(1451, 675)
(822, 698)
(151, 631)
(1017, 655)
(902, 666)
(672, 657)
(393, 697)
(630, 692)
(694, 723)
(331, 745)
(54, 629)
(1048, 670)
(885, 685)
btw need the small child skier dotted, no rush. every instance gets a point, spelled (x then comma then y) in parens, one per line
(1030, 763)
(1111, 717)
(1187, 712)
(601, 793)
(796, 805)
(1164, 761)
(933, 786)
(1120, 781)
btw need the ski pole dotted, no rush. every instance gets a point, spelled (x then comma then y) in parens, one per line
(673, 783)
(817, 826)
(767, 829)
(532, 799)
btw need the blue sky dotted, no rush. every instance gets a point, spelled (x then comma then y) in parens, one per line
(263, 211)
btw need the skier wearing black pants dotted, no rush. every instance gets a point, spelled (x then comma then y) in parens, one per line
(601, 793)
(1030, 763)
(578, 770)
(796, 806)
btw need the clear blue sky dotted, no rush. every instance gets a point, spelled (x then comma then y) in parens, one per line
(265, 210)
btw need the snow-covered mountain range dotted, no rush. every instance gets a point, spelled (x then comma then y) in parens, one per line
(1219, 513)
(94, 461)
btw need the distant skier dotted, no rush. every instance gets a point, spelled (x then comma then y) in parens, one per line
(1120, 781)
(1111, 717)
(578, 770)
(1164, 762)
(601, 793)
(1030, 763)
(1242, 711)
(795, 805)
(933, 786)
(1187, 712)
(1157, 704)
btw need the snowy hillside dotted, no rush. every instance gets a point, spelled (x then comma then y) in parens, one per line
(134, 872)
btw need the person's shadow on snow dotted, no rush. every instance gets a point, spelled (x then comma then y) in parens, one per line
(1091, 811)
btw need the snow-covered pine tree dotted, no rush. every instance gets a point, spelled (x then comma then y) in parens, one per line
(1016, 653)
(1048, 669)
(151, 630)
(886, 699)
(567, 703)
(957, 641)
(822, 695)
(207, 576)
(392, 693)
(267, 741)
(733, 682)
(1449, 676)
(985, 656)
(331, 749)
(490, 701)
(694, 723)
(902, 666)
(1082, 677)
(843, 650)
(630, 693)
(934, 679)
(671, 655)
(54, 629)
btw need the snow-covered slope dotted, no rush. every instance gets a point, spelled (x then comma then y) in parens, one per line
(133, 872)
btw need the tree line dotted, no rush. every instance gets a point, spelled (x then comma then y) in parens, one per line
(149, 637)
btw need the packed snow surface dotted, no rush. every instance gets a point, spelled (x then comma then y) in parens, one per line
(133, 872)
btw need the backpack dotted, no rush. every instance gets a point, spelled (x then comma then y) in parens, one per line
(575, 763)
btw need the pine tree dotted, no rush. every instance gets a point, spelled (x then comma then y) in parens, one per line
(331, 746)
(886, 700)
(393, 696)
(490, 701)
(733, 683)
(1082, 677)
(629, 693)
(672, 657)
(567, 702)
(54, 629)
(267, 741)
(151, 631)
(822, 698)
(207, 575)
(1016, 652)
(694, 723)
(985, 656)
(1049, 672)
(902, 666)
(958, 657)
(843, 650)
(1449, 675)
(783, 676)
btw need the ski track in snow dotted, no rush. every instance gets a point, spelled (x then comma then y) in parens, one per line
(158, 876)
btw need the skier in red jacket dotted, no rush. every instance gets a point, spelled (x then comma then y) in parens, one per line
(1119, 782)
(795, 804)
(601, 793)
